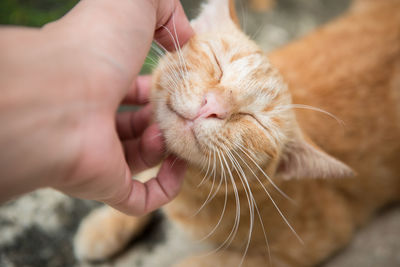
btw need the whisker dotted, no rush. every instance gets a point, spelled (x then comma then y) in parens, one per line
(208, 167)
(265, 235)
(273, 202)
(161, 46)
(155, 136)
(237, 201)
(157, 48)
(250, 198)
(208, 199)
(242, 148)
(301, 106)
(177, 48)
(173, 163)
(255, 34)
(255, 204)
(222, 213)
(172, 37)
(180, 50)
(243, 13)
(235, 227)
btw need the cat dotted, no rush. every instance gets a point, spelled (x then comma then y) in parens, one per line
(294, 150)
(261, 5)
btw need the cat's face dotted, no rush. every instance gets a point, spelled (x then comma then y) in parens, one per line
(219, 100)
(220, 94)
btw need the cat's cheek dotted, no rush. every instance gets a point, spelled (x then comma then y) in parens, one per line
(178, 136)
(183, 144)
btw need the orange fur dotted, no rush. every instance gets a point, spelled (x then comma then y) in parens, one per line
(261, 5)
(349, 68)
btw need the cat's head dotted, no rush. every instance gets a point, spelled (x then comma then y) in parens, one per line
(219, 100)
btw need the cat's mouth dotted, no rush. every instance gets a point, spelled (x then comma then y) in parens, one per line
(186, 121)
(187, 125)
(197, 131)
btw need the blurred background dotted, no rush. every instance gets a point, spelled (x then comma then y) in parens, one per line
(33, 12)
(37, 230)
(288, 20)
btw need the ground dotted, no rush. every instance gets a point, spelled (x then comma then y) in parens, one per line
(37, 230)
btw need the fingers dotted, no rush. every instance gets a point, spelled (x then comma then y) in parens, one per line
(145, 152)
(139, 93)
(131, 124)
(143, 198)
(172, 28)
(166, 186)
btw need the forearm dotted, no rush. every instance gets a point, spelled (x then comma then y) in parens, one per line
(33, 119)
(56, 80)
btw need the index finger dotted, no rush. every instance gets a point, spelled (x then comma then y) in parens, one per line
(139, 92)
(174, 31)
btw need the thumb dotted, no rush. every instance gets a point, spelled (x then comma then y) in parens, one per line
(173, 28)
(142, 198)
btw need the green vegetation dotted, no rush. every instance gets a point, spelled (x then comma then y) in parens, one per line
(36, 13)
(33, 12)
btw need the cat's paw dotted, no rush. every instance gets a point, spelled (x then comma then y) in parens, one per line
(104, 232)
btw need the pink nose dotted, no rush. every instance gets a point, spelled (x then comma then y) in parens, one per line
(214, 106)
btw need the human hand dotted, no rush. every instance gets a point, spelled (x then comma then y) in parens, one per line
(74, 73)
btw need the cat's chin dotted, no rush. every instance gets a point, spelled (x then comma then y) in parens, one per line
(191, 139)
(181, 139)
(186, 149)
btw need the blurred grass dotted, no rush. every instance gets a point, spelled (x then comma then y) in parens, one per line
(149, 63)
(33, 12)
(36, 13)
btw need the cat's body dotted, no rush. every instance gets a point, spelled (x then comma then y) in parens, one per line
(361, 86)
(349, 68)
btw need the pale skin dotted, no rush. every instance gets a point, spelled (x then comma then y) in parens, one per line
(61, 86)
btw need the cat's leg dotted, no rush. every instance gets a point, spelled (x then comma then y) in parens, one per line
(261, 5)
(359, 5)
(289, 253)
(104, 232)
(323, 227)
(227, 258)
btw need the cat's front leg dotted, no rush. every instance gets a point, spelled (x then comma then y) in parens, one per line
(106, 231)
(232, 258)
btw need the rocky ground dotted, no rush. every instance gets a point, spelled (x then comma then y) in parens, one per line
(37, 230)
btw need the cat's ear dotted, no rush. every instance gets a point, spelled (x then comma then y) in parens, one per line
(303, 159)
(216, 15)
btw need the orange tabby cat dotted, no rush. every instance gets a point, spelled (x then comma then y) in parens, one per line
(259, 136)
